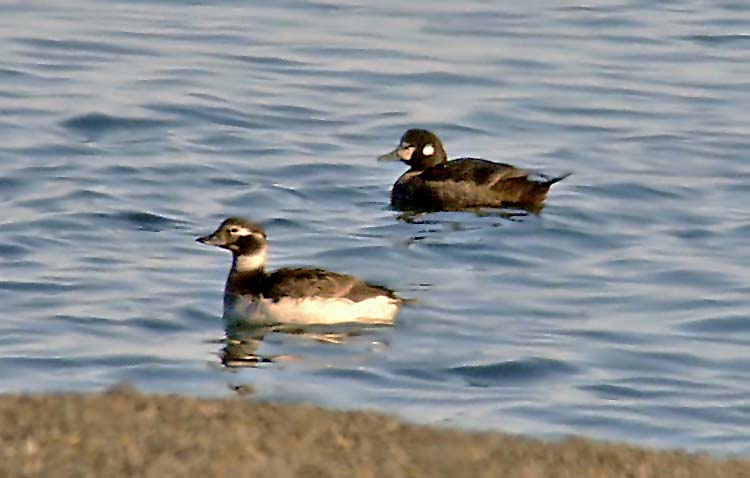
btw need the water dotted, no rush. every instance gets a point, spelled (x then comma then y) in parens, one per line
(128, 128)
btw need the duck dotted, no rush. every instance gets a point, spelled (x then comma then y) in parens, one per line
(433, 183)
(292, 295)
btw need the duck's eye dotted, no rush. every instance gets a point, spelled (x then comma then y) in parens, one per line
(234, 230)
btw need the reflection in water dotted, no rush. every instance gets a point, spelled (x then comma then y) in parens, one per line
(512, 214)
(244, 339)
(436, 222)
(242, 343)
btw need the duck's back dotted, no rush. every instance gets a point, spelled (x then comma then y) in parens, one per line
(469, 183)
(474, 170)
(300, 283)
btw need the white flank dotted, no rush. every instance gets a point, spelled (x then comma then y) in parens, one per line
(318, 310)
(250, 262)
(428, 150)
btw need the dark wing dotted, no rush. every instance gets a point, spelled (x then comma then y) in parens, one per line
(472, 182)
(478, 171)
(300, 283)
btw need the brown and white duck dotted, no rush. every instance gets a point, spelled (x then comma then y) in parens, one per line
(301, 296)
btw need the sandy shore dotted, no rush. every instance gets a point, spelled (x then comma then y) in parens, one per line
(124, 433)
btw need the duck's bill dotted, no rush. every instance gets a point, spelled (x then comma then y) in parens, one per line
(211, 240)
(391, 156)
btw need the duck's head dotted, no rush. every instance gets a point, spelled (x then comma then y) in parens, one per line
(418, 148)
(245, 239)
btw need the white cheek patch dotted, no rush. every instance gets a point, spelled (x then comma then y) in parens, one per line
(405, 153)
(242, 231)
(428, 150)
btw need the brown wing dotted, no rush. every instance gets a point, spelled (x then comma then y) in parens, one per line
(469, 183)
(473, 170)
(300, 283)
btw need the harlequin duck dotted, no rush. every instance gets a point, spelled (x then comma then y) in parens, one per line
(433, 183)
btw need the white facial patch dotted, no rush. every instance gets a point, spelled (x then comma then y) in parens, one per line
(243, 231)
(252, 262)
(428, 150)
(404, 152)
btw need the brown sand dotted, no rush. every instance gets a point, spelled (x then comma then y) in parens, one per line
(125, 433)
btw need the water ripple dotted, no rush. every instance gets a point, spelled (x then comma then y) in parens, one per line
(497, 374)
(96, 125)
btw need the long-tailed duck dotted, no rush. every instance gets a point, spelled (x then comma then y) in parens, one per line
(303, 296)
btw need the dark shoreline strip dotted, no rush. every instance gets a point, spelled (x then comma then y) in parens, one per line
(125, 433)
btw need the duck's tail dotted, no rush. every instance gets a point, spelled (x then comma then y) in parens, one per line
(552, 181)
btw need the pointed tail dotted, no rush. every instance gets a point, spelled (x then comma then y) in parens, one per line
(552, 181)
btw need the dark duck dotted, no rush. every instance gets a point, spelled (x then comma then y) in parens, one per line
(301, 296)
(433, 183)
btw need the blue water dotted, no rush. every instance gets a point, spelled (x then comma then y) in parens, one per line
(128, 128)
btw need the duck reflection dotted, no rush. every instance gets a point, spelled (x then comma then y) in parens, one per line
(245, 339)
(431, 224)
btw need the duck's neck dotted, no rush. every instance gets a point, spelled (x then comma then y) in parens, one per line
(249, 263)
(245, 278)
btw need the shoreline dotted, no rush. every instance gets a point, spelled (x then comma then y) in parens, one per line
(123, 432)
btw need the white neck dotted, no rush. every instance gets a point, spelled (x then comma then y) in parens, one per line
(252, 262)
